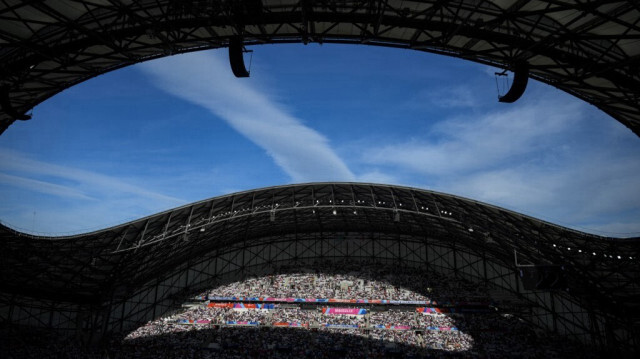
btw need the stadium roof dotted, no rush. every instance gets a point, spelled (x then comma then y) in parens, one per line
(602, 272)
(589, 49)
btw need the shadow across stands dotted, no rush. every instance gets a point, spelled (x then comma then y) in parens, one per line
(264, 342)
(248, 342)
(484, 328)
(481, 330)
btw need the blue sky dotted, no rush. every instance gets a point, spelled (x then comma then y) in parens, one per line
(168, 132)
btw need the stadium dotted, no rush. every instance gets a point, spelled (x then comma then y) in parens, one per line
(115, 280)
(323, 269)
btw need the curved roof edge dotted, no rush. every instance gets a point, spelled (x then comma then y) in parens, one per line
(589, 51)
(115, 262)
(140, 220)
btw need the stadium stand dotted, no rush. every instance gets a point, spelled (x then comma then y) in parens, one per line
(277, 327)
(75, 293)
(403, 266)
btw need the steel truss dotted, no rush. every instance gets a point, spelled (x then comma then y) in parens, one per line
(588, 49)
(113, 280)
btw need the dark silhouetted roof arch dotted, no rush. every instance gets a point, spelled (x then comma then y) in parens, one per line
(589, 49)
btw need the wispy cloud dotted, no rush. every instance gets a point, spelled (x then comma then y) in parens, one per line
(536, 158)
(378, 176)
(12, 161)
(549, 155)
(448, 97)
(578, 191)
(467, 143)
(42, 187)
(69, 198)
(205, 79)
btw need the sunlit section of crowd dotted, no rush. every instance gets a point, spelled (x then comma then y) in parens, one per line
(351, 310)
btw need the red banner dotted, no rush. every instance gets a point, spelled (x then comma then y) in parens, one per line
(220, 305)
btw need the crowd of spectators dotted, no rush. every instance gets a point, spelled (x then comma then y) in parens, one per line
(352, 281)
(200, 331)
(327, 342)
(315, 317)
(271, 342)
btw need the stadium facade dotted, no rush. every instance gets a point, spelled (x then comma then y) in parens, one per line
(113, 280)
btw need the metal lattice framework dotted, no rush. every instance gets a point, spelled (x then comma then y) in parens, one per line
(590, 49)
(113, 280)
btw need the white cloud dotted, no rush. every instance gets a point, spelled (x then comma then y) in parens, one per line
(537, 158)
(42, 187)
(446, 97)
(205, 79)
(377, 176)
(615, 229)
(523, 156)
(506, 186)
(465, 144)
(76, 199)
(575, 185)
(580, 193)
(12, 161)
(76, 217)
